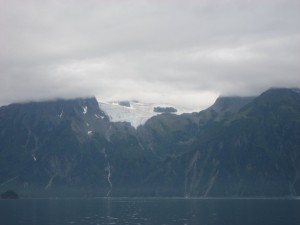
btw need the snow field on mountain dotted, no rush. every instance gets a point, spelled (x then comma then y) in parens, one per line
(136, 113)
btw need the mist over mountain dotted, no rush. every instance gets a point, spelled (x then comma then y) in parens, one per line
(240, 146)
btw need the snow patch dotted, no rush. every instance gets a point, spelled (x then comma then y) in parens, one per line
(34, 158)
(61, 114)
(85, 109)
(99, 117)
(90, 132)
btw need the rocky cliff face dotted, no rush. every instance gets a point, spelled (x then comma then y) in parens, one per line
(252, 152)
(47, 144)
(237, 147)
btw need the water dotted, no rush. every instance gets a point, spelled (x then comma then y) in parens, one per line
(150, 211)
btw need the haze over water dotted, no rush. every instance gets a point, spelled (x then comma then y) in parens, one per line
(150, 211)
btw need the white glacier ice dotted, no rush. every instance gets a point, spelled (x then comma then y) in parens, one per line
(137, 113)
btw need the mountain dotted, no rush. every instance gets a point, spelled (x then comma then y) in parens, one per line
(253, 152)
(240, 146)
(43, 142)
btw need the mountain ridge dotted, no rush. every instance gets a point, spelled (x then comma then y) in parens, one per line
(244, 147)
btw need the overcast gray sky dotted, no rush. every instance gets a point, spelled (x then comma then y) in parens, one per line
(183, 52)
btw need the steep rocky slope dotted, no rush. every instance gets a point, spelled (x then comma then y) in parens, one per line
(238, 147)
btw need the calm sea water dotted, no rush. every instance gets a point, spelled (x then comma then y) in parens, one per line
(150, 211)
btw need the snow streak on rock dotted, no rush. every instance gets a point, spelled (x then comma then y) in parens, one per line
(50, 182)
(85, 108)
(61, 114)
(108, 172)
(34, 158)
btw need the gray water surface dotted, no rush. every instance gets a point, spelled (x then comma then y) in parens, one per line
(150, 211)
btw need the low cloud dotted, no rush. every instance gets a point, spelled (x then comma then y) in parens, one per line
(180, 52)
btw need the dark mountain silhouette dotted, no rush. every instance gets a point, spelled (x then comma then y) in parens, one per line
(240, 146)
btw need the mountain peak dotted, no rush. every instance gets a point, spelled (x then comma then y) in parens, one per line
(279, 95)
(230, 103)
(225, 106)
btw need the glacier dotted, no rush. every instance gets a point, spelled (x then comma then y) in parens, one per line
(135, 112)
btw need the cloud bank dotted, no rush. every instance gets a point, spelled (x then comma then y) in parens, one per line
(180, 52)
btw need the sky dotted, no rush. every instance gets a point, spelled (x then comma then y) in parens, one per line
(181, 52)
